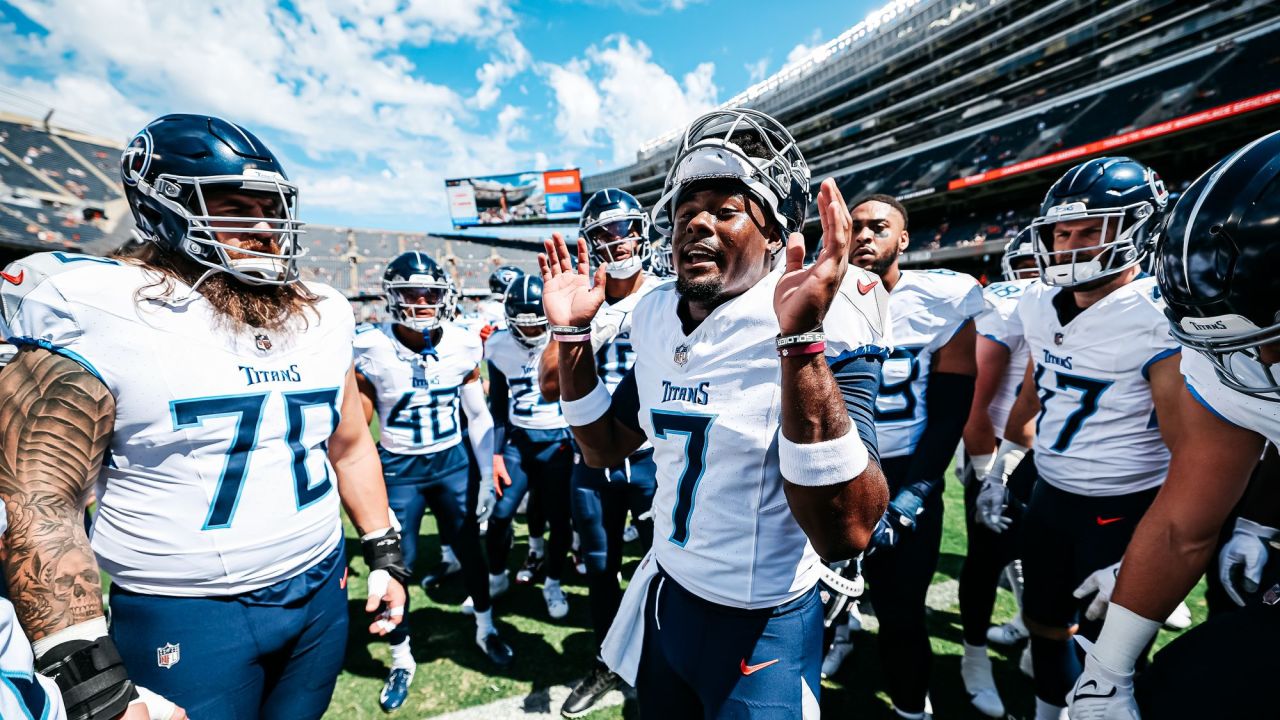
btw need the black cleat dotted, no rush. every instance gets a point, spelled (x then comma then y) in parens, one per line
(439, 573)
(498, 652)
(588, 692)
(531, 571)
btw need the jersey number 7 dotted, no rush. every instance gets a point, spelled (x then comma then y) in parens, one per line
(695, 428)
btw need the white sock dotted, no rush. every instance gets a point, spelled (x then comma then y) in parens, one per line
(975, 668)
(537, 545)
(551, 584)
(402, 656)
(1045, 711)
(495, 577)
(908, 715)
(484, 624)
(446, 555)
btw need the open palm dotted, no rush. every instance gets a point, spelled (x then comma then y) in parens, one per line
(568, 294)
(804, 293)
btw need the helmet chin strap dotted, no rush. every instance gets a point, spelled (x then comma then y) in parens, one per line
(623, 269)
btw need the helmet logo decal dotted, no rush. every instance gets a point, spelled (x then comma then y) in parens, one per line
(136, 159)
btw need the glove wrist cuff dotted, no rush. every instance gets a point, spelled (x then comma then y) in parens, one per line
(1256, 529)
(1125, 635)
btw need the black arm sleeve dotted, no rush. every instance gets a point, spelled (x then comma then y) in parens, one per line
(625, 405)
(499, 397)
(858, 376)
(947, 400)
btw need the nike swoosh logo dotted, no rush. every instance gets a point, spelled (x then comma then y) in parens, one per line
(1108, 521)
(1092, 696)
(865, 288)
(15, 279)
(750, 669)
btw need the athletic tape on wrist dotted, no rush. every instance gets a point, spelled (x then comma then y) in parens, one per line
(588, 408)
(1007, 459)
(88, 630)
(1124, 636)
(829, 462)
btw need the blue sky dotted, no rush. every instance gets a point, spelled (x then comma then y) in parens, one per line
(372, 103)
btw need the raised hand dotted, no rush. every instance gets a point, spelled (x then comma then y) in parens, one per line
(568, 295)
(804, 294)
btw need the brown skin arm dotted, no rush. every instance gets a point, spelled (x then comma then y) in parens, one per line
(355, 462)
(606, 442)
(1021, 425)
(838, 518)
(1179, 532)
(57, 419)
(993, 361)
(549, 372)
(958, 356)
(368, 396)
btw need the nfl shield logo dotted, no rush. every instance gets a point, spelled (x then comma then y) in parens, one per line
(262, 341)
(169, 655)
(1057, 338)
(682, 355)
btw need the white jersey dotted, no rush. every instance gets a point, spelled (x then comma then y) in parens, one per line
(927, 308)
(1240, 409)
(611, 335)
(994, 324)
(24, 692)
(418, 396)
(526, 408)
(492, 313)
(710, 402)
(1097, 432)
(217, 480)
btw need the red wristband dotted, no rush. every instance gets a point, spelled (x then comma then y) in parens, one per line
(811, 349)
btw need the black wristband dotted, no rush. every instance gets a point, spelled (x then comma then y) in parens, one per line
(91, 677)
(385, 553)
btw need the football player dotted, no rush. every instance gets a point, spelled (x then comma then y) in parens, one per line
(491, 312)
(532, 444)
(920, 413)
(1097, 401)
(616, 229)
(1002, 355)
(416, 372)
(1215, 264)
(743, 397)
(211, 394)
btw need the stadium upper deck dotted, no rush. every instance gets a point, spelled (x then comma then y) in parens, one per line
(935, 101)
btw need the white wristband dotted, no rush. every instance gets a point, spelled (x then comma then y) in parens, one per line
(588, 408)
(982, 464)
(1258, 530)
(829, 462)
(1124, 636)
(1007, 459)
(89, 630)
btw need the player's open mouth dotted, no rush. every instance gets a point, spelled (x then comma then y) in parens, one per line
(698, 255)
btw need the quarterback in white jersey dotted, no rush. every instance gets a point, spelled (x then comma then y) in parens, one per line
(616, 229)
(1215, 263)
(211, 395)
(920, 413)
(740, 392)
(1098, 403)
(418, 372)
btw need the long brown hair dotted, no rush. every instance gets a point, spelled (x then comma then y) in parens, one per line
(238, 305)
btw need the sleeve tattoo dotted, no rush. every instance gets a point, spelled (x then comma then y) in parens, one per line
(55, 422)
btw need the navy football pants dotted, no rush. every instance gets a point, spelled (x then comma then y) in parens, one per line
(539, 462)
(273, 653)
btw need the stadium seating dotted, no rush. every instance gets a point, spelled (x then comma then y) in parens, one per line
(37, 149)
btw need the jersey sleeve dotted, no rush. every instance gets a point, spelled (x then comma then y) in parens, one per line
(858, 321)
(962, 302)
(36, 313)
(1161, 344)
(364, 346)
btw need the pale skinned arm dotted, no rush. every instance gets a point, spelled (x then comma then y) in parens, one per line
(993, 361)
(1021, 425)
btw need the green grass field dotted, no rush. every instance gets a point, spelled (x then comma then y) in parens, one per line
(453, 675)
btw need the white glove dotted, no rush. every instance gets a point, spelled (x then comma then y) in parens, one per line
(991, 504)
(1101, 693)
(1246, 549)
(485, 503)
(1100, 584)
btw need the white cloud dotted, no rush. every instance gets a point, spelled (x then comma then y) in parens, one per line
(617, 96)
(757, 71)
(802, 50)
(324, 79)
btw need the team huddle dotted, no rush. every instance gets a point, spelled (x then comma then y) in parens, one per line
(775, 432)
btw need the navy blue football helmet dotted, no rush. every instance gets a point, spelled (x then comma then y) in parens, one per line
(418, 291)
(1216, 260)
(611, 220)
(173, 167)
(1128, 197)
(1020, 249)
(710, 151)
(522, 305)
(660, 262)
(500, 278)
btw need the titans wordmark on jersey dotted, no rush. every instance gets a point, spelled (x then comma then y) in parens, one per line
(1097, 433)
(1246, 411)
(710, 402)
(527, 408)
(927, 308)
(217, 481)
(1001, 303)
(418, 406)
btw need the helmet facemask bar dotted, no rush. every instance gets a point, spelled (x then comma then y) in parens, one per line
(1225, 349)
(1069, 268)
(407, 313)
(661, 263)
(707, 152)
(613, 231)
(253, 267)
(1021, 247)
(520, 322)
